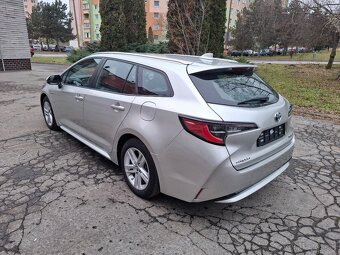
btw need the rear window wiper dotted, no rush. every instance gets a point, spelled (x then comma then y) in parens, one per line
(255, 100)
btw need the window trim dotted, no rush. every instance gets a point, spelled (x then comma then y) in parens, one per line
(103, 60)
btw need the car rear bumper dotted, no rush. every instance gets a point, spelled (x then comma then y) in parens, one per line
(252, 189)
(240, 184)
(195, 171)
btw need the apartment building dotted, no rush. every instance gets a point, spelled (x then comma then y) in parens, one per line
(14, 47)
(28, 5)
(156, 11)
(86, 21)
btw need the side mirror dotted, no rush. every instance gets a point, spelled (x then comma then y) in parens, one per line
(54, 80)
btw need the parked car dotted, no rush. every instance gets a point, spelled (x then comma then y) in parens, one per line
(68, 49)
(51, 47)
(59, 48)
(32, 51)
(45, 47)
(256, 53)
(245, 53)
(266, 52)
(36, 47)
(195, 128)
(235, 53)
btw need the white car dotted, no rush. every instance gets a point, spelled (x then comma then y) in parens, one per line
(195, 128)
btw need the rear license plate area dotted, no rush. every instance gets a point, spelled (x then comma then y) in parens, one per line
(271, 135)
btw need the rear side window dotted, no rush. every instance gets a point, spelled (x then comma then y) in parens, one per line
(235, 87)
(152, 83)
(113, 76)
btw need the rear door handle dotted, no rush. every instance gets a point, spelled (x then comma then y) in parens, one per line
(79, 98)
(118, 107)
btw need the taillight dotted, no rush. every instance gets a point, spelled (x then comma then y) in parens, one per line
(214, 132)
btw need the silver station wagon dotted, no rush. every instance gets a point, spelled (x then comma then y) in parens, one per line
(194, 128)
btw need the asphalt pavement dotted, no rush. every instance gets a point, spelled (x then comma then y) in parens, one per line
(57, 196)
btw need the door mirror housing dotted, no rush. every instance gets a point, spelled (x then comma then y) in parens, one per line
(54, 80)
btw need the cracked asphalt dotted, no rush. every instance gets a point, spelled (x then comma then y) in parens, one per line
(59, 197)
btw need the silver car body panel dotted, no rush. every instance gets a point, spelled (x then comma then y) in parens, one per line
(188, 168)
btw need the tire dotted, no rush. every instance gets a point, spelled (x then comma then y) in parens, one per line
(139, 169)
(48, 114)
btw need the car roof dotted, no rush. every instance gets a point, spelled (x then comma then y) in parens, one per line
(194, 63)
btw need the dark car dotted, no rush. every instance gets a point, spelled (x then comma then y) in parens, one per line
(266, 52)
(235, 53)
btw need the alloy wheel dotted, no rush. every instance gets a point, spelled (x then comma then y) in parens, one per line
(48, 113)
(136, 168)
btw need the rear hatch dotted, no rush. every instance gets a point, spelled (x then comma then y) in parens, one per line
(239, 96)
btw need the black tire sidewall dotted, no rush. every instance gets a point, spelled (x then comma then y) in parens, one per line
(152, 188)
(54, 125)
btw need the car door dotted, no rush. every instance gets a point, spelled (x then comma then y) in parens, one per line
(69, 99)
(106, 107)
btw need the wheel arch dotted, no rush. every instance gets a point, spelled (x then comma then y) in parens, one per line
(129, 134)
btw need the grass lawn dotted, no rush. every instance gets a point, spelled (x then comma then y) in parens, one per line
(311, 88)
(50, 60)
(318, 56)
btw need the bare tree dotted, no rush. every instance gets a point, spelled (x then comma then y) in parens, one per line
(186, 21)
(331, 9)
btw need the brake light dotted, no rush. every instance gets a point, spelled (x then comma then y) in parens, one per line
(214, 132)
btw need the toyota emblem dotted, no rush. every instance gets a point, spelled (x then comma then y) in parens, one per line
(277, 117)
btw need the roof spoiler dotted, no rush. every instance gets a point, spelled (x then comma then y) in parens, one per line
(208, 55)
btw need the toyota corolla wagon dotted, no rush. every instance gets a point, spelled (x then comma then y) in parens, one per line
(194, 128)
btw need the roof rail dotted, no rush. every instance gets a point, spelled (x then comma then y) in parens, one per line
(151, 55)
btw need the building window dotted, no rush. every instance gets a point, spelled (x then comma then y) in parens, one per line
(97, 36)
(96, 6)
(33, 1)
(25, 6)
(156, 15)
(86, 16)
(86, 6)
(87, 25)
(87, 35)
(155, 27)
(156, 3)
(155, 37)
(96, 16)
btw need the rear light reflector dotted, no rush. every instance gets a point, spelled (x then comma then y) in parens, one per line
(214, 132)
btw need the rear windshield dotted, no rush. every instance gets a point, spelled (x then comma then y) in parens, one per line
(235, 87)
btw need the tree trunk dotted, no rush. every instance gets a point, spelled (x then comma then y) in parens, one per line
(333, 52)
